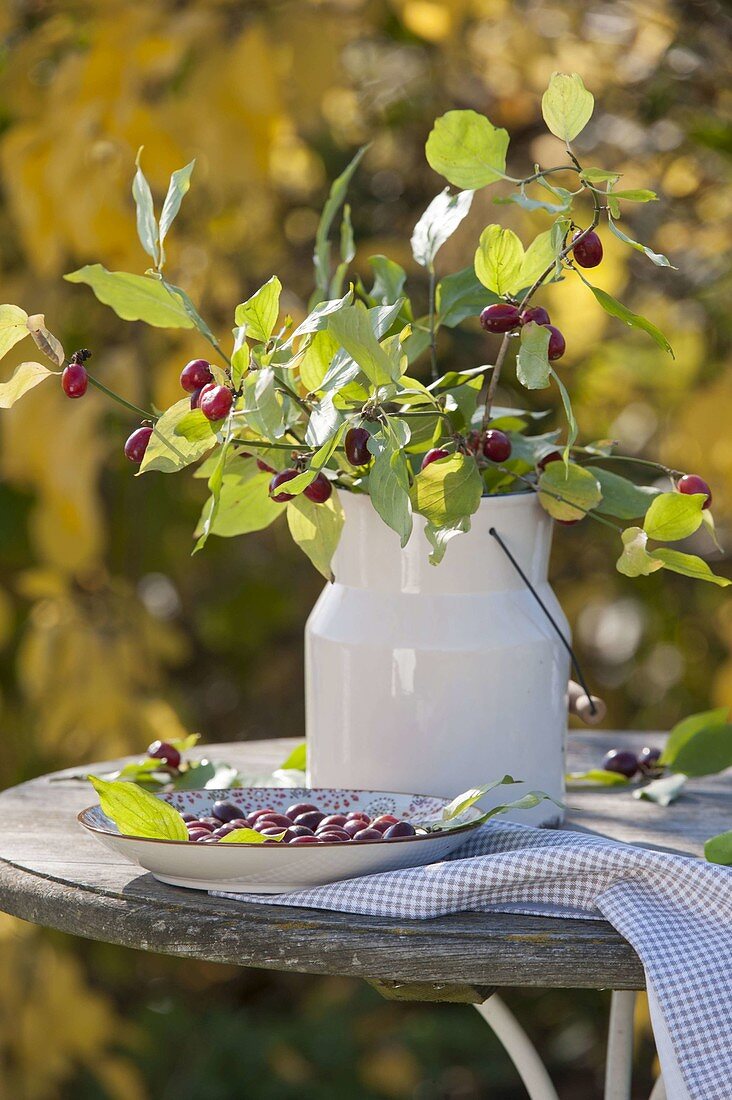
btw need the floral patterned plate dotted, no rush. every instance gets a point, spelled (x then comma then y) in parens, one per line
(281, 869)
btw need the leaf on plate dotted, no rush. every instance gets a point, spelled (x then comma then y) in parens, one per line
(137, 813)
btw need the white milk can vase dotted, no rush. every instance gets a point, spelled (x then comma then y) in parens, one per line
(435, 679)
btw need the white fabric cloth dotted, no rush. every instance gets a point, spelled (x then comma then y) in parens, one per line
(675, 911)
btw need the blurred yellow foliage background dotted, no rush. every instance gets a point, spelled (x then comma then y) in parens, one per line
(109, 634)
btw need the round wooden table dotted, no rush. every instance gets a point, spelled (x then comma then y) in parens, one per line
(55, 874)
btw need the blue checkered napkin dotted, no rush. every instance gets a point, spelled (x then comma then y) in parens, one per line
(675, 911)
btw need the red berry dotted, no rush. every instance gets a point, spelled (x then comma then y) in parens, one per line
(318, 490)
(196, 396)
(553, 456)
(622, 761)
(215, 401)
(570, 522)
(75, 380)
(195, 374)
(401, 828)
(500, 317)
(368, 834)
(161, 750)
(305, 840)
(434, 456)
(356, 446)
(383, 822)
(264, 467)
(296, 809)
(588, 251)
(557, 344)
(280, 479)
(692, 483)
(136, 445)
(496, 445)
(537, 314)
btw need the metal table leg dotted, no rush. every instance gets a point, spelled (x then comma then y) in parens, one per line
(519, 1048)
(619, 1063)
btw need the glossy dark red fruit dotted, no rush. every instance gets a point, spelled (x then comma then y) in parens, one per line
(355, 445)
(136, 444)
(280, 479)
(557, 343)
(75, 380)
(622, 761)
(215, 401)
(434, 456)
(305, 840)
(368, 834)
(384, 822)
(279, 820)
(648, 760)
(161, 750)
(537, 314)
(333, 819)
(588, 251)
(311, 819)
(195, 374)
(355, 825)
(333, 836)
(496, 445)
(256, 814)
(198, 834)
(691, 484)
(196, 396)
(319, 490)
(226, 811)
(500, 317)
(553, 456)
(298, 808)
(264, 467)
(189, 818)
(401, 828)
(300, 830)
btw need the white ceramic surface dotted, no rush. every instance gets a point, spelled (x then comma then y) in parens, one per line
(438, 678)
(281, 869)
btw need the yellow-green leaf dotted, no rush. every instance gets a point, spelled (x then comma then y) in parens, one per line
(134, 297)
(635, 561)
(13, 322)
(25, 377)
(447, 490)
(138, 813)
(167, 451)
(499, 259)
(316, 528)
(674, 516)
(467, 149)
(541, 254)
(689, 565)
(568, 491)
(567, 105)
(532, 363)
(248, 836)
(718, 849)
(259, 313)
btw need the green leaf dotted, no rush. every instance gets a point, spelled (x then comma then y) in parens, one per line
(599, 175)
(336, 197)
(438, 223)
(572, 426)
(578, 489)
(447, 490)
(635, 561)
(316, 528)
(168, 451)
(461, 295)
(260, 312)
(190, 310)
(25, 377)
(389, 483)
(464, 801)
(620, 497)
(541, 254)
(467, 149)
(661, 791)
(352, 328)
(240, 356)
(687, 728)
(704, 752)
(317, 359)
(180, 182)
(689, 565)
(261, 406)
(498, 260)
(317, 319)
(138, 813)
(656, 257)
(297, 760)
(674, 516)
(195, 427)
(389, 280)
(244, 501)
(13, 327)
(215, 485)
(718, 849)
(133, 297)
(520, 198)
(567, 105)
(634, 320)
(348, 251)
(597, 777)
(439, 536)
(183, 744)
(248, 836)
(147, 226)
(532, 362)
(638, 195)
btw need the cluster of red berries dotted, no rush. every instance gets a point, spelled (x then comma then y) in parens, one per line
(493, 445)
(502, 317)
(303, 823)
(213, 400)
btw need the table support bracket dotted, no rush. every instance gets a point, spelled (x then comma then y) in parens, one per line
(519, 1048)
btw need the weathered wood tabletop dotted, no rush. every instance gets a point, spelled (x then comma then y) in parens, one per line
(55, 874)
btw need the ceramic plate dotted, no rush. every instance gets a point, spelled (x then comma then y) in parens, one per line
(271, 869)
